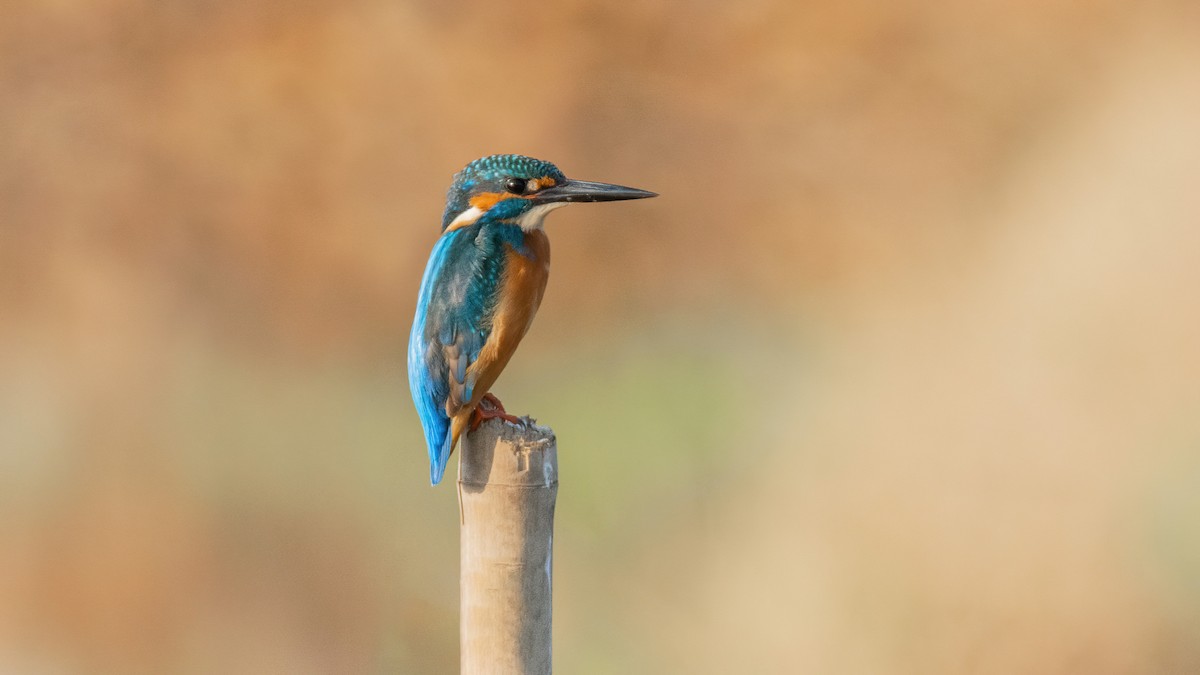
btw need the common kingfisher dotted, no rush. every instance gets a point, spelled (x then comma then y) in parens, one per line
(481, 290)
(482, 286)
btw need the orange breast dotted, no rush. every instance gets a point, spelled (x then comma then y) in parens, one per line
(524, 283)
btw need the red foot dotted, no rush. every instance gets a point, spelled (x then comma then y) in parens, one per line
(490, 408)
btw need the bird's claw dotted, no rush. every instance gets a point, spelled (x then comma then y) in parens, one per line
(490, 408)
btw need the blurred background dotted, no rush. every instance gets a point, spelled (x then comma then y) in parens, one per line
(900, 374)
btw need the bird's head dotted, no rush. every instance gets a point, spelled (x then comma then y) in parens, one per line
(520, 190)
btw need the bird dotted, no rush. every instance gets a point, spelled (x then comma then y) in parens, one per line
(481, 288)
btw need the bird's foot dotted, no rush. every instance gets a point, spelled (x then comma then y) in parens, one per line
(490, 408)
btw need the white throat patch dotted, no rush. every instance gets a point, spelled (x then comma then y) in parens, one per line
(532, 219)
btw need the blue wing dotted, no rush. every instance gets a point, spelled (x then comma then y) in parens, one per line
(452, 323)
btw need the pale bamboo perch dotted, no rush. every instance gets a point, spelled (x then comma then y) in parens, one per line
(508, 482)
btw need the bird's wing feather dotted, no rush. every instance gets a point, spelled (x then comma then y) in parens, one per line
(452, 324)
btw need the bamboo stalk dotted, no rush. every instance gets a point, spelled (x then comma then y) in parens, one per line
(508, 483)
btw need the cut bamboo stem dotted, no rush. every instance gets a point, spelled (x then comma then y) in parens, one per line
(508, 483)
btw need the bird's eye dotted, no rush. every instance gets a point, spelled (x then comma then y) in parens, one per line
(515, 185)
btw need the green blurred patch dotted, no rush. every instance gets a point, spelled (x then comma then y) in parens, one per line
(1174, 533)
(330, 457)
(639, 431)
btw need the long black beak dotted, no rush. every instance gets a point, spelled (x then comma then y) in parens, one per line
(587, 191)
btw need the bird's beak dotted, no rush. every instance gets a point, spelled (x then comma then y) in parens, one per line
(587, 191)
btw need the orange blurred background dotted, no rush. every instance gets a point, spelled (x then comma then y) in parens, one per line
(900, 374)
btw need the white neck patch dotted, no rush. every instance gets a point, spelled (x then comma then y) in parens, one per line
(465, 218)
(532, 219)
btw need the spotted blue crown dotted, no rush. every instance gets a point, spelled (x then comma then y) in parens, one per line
(485, 174)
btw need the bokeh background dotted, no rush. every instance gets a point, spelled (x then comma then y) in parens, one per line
(900, 374)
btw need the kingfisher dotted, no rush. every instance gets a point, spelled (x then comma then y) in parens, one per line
(482, 287)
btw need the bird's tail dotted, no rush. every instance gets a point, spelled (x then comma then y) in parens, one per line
(439, 458)
(457, 425)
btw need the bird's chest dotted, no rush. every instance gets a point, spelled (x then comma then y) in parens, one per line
(526, 270)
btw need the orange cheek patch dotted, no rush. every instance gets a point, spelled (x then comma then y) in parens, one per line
(487, 200)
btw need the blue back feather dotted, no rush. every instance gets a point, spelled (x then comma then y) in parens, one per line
(453, 320)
